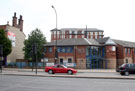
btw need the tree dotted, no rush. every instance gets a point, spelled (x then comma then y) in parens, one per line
(7, 46)
(35, 37)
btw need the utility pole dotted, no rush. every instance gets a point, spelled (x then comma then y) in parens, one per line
(34, 49)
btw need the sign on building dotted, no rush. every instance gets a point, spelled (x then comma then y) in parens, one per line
(12, 36)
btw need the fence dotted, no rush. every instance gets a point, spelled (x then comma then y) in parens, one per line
(25, 64)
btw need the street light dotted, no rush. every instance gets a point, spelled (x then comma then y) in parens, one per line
(56, 52)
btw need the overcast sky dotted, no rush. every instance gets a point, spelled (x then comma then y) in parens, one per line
(115, 17)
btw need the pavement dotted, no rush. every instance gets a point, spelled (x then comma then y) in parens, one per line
(82, 73)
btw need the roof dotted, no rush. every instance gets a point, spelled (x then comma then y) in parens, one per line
(72, 42)
(125, 43)
(106, 41)
(78, 29)
(103, 40)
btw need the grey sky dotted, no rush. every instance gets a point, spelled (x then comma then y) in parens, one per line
(115, 17)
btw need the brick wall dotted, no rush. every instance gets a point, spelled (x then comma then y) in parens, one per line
(110, 57)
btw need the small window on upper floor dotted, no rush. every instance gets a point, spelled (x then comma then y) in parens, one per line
(126, 50)
(79, 32)
(91, 36)
(91, 33)
(50, 49)
(73, 32)
(129, 50)
(95, 36)
(96, 33)
(100, 33)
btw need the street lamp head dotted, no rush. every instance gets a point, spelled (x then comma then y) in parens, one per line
(52, 6)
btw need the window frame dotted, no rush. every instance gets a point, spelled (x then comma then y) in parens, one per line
(50, 49)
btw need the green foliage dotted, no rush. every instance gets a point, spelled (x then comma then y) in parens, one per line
(7, 46)
(36, 36)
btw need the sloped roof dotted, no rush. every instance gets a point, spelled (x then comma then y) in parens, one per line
(125, 43)
(103, 40)
(71, 42)
(78, 29)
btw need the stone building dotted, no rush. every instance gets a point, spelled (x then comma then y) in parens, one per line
(16, 35)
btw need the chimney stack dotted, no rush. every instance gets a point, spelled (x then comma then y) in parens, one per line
(14, 22)
(20, 23)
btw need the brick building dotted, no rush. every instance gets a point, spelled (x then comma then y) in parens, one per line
(69, 33)
(89, 52)
(16, 35)
(125, 52)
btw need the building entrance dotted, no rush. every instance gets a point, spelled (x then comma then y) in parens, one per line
(95, 64)
(95, 57)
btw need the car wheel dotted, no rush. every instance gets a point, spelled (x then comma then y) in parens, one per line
(121, 73)
(70, 72)
(50, 72)
(127, 73)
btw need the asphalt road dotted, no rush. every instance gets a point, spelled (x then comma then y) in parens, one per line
(30, 83)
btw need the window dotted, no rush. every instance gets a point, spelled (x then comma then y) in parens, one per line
(61, 60)
(79, 32)
(100, 37)
(70, 36)
(73, 32)
(63, 49)
(96, 33)
(95, 36)
(126, 50)
(91, 33)
(113, 48)
(129, 50)
(58, 49)
(100, 33)
(91, 36)
(126, 60)
(50, 49)
(82, 32)
(68, 49)
(69, 60)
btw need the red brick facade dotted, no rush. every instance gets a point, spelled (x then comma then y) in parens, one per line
(77, 34)
(123, 56)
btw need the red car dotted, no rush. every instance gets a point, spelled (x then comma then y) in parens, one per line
(60, 69)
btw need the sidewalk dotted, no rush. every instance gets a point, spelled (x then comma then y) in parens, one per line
(91, 74)
(79, 70)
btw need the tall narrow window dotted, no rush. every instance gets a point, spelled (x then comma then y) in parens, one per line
(129, 51)
(61, 60)
(126, 50)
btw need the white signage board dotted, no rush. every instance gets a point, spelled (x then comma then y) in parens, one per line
(49, 64)
(12, 37)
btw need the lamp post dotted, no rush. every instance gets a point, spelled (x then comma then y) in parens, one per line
(56, 52)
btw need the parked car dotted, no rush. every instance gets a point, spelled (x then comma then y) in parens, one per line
(126, 69)
(60, 69)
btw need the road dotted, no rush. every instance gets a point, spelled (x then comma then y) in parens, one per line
(31, 83)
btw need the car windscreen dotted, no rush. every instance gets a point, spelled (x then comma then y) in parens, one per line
(64, 66)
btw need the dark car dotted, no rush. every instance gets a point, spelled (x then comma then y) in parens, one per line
(126, 69)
